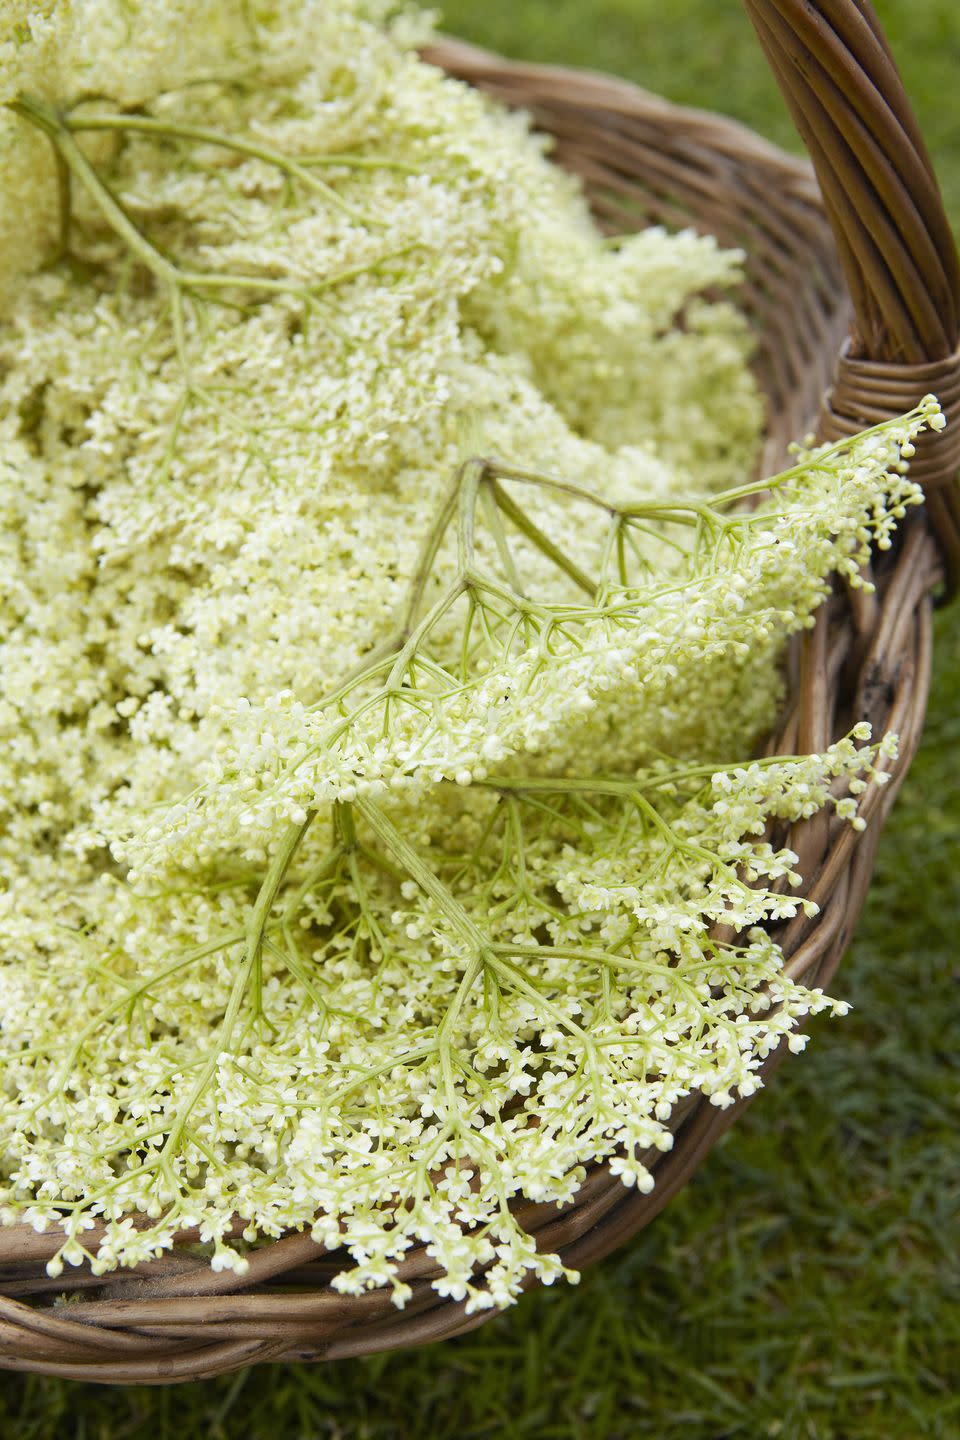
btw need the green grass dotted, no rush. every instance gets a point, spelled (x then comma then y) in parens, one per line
(806, 1285)
(704, 53)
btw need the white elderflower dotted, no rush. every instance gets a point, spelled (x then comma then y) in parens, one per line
(384, 624)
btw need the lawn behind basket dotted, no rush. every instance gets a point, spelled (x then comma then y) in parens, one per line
(806, 1284)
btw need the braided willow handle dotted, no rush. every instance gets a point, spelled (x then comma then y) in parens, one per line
(847, 99)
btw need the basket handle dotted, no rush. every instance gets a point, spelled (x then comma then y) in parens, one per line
(839, 79)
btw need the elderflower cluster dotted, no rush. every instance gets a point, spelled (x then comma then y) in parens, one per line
(382, 618)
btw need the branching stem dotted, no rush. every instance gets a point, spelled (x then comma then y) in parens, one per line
(165, 129)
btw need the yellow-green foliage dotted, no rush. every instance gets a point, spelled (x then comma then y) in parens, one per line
(382, 627)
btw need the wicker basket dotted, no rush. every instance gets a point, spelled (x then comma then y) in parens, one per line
(874, 230)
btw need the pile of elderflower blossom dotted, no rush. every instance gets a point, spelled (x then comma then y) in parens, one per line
(383, 622)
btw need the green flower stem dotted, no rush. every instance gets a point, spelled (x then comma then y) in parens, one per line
(171, 277)
(471, 477)
(363, 1077)
(313, 876)
(149, 125)
(190, 958)
(606, 958)
(52, 125)
(409, 649)
(254, 935)
(428, 555)
(830, 452)
(290, 958)
(491, 512)
(536, 536)
(504, 471)
(431, 884)
(417, 868)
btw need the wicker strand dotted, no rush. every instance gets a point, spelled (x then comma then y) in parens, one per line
(893, 237)
(848, 101)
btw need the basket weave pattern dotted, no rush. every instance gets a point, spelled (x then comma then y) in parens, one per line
(867, 228)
